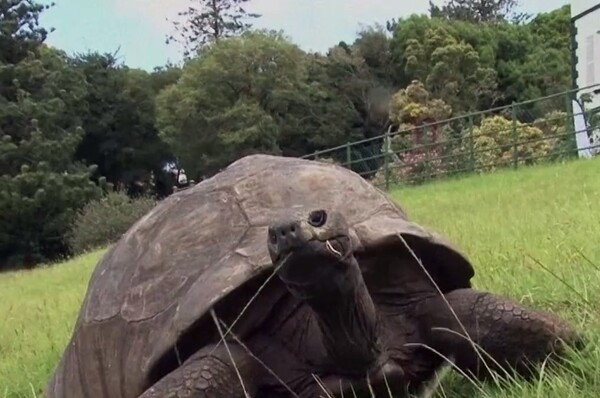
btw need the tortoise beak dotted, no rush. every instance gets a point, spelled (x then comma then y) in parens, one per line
(340, 246)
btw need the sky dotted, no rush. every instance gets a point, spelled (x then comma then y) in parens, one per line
(137, 28)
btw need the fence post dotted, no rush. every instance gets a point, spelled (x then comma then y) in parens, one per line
(471, 144)
(425, 145)
(348, 156)
(569, 137)
(515, 136)
(386, 158)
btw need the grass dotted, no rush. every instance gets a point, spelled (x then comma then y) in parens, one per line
(508, 223)
(532, 235)
(37, 312)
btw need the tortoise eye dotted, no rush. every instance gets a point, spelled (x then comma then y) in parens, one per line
(317, 218)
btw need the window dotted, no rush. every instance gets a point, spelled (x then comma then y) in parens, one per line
(590, 72)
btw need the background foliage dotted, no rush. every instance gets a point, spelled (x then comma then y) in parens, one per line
(73, 128)
(102, 221)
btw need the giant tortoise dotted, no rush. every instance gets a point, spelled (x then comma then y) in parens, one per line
(285, 277)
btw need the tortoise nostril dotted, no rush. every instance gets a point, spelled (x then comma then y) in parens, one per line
(284, 234)
(273, 237)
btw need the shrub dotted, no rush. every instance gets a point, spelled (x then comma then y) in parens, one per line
(415, 163)
(493, 143)
(103, 221)
(554, 126)
(420, 146)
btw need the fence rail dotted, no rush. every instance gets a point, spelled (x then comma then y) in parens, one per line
(530, 132)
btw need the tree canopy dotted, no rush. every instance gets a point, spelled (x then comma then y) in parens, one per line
(74, 128)
(206, 21)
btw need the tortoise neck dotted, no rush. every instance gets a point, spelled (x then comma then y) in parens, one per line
(348, 320)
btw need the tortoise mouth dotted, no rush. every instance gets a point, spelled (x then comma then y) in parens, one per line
(314, 264)
(337, 247)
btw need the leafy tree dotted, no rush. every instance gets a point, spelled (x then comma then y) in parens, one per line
(411, 109)
(40, 100)
(164, 76)
(119, 123)
(553, 28)
(348, 71)
(233, 100)
(496, 64)
(373, 45)
(533, 60)
(324, 114)
(211, 20)
(476, 10)
(415, 106)
(20, 32)
(433, 52)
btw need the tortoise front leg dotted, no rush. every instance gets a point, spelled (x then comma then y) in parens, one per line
(513, 336)
(210, 375)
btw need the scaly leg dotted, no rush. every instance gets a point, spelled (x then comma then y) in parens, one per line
(210, 375)
(515, 337)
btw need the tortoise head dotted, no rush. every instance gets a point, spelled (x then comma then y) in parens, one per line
(313, 254)
(311, 248)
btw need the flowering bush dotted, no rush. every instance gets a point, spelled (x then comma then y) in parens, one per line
(417, 147)
(495, 138)
(415, 163)
(553, 126)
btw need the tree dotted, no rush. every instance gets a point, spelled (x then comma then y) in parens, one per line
(492, 64)
(418, 144)
(259, 93)
(413, 107)
(553, 28)
(210, 20)
(164, 76)
(355, 81)
(20, 32)
(434, 53)
(234, 100)
(373, 45)
(40, 100)
(326, 114)
(533, 60)
(119, 123)
(476, 10)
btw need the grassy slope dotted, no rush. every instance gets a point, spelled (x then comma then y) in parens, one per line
(37, 311)
(510, 222)
(500, 220)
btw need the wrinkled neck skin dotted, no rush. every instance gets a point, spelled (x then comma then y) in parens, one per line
(347, 317)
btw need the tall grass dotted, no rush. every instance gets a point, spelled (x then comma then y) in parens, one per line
(532, 234)
(37, 312)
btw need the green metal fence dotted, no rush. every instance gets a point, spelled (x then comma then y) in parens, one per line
(525, 133)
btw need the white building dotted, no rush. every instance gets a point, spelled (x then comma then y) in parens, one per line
(585, 24)
(585, 39)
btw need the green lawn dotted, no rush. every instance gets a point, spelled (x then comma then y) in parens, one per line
(508, 223)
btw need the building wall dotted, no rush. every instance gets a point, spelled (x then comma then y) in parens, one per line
(587, 52)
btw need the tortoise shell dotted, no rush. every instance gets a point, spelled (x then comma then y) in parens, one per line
(197, 246)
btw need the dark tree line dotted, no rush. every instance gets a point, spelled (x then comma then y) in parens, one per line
(74, 127)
